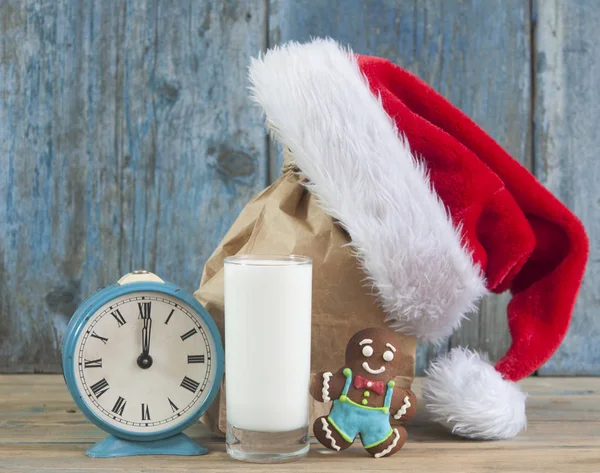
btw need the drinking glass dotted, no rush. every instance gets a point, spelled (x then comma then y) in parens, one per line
(267, 356)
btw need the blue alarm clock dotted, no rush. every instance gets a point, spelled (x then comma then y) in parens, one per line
(143, 360)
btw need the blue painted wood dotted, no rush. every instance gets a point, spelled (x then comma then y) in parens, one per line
(475, 53)
(127, 138)
(127, 141)
(566, 143)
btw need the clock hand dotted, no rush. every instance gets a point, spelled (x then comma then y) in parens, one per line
(144, 361)
(147, 328)
(145, 338)
(148, 325)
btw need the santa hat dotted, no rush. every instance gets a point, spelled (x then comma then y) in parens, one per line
(438, 214)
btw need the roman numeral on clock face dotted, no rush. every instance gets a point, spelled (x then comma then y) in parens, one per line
(93, 363)
(102, 339)
(195, 358)
(189, 384)
(187, 335)
(144, 310)
(100, 387)
(119, 406)
(169, 317)
(118, 317)
(145, 412)
(174, 408)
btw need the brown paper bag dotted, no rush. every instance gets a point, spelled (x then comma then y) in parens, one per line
(286, 219)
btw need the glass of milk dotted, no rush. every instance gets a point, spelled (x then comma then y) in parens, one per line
(267, 356)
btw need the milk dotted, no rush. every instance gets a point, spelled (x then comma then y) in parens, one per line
(267, 342)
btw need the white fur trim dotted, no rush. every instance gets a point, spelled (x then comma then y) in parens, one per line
(405, 406)
(328, 435)
(465, 393)
(325, 390)
(319, 105)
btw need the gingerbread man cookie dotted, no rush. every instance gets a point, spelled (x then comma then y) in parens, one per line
(365, 396)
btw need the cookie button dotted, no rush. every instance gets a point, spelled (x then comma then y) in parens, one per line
(343, 398)
(391, 384)
(347, 371)
(366, 394)
(364, 401)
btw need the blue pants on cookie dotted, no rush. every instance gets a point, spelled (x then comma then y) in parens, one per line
(351, 419)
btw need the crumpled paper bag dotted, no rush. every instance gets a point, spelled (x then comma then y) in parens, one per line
(285, 218)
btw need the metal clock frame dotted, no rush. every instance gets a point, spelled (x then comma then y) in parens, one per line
(89, 307)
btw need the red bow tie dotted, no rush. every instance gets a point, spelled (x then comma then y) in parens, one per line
(376, 386)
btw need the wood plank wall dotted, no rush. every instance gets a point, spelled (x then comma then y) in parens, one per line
(127, 139)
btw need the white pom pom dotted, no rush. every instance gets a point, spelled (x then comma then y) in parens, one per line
(465, 393)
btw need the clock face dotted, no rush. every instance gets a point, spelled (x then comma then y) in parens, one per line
(144, 362)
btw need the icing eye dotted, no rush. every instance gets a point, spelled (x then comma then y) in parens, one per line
(387, 356)
(367, 350)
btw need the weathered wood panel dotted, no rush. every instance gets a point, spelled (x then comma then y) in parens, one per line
(566, 144)
(475, 53)
(127, 141)
(43, 431)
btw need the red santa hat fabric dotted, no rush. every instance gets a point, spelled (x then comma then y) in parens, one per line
(438, 214)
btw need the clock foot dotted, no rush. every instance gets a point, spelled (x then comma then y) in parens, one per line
(179, 444)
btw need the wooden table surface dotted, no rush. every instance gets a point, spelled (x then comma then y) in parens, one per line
(41, 430)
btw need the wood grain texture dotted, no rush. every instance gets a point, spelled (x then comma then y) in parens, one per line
(566, 143)
(41, 430)
(127, 141)
(475, 53)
